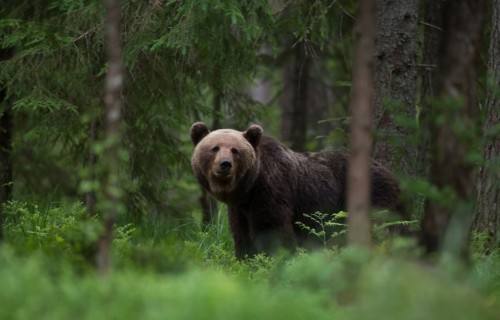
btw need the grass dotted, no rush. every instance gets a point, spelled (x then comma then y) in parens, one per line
(167, 272)
(29, 292)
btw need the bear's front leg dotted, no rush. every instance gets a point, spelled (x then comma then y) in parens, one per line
(243, 245)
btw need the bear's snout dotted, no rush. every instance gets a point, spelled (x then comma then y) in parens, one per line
(225, 166)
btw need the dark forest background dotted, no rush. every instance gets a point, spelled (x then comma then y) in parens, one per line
(80, 193)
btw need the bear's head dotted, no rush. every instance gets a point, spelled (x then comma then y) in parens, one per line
(225, 159)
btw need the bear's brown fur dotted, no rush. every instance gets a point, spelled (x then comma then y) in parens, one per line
(268, 187)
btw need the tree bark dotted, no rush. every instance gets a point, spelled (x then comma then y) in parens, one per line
(395, 83)
(90, 198)
(294, 98)
(445, 225)
(487, 217)
(358, 180)
(433, 26)
(113, 103)
(5, 147)
(5, 159)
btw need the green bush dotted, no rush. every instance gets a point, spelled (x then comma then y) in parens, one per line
(186, 272)
(28, 292)
(63, 231)
(393, 289)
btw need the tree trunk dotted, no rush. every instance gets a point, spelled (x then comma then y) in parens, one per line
(487, 217)
(433, 26)
(5, 159)
(446, 224)
(395, 83)
(294, 98)
(5, 147)
(358, 180)
(112, 100)
(90, 198)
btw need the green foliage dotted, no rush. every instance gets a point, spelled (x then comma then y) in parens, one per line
(180, 56)
(58, 231)
(486, 275)
(53, 68)
(63, 232)
(479, 241)
(324, 224)
(216, 243)
(329, 227)
(397, 290)
(184, 272)
(29, 292)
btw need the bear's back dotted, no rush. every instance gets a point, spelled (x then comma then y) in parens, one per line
(316, 181)
(312, 181)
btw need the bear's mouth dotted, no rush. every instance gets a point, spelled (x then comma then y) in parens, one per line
(221, 185)
(223, 178)
(223, 175)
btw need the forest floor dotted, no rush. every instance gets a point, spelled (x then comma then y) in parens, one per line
(161, 272)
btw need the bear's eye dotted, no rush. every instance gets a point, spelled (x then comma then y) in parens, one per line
(215, 149)
(234, 151)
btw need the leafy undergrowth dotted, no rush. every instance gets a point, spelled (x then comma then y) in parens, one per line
(163, 272)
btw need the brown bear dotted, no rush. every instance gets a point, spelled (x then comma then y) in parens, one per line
(268, 187)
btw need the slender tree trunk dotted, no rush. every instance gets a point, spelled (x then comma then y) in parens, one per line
(487, 216)
(433, 21)
(90, 198)
(112, 100)
(5, 147)
(5, 159)
(395, 83)
(320, 99)
(358, 180)
(217, 108)
(294, 98)
(445, 225)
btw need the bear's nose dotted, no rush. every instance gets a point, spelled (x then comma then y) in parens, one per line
(225, 166)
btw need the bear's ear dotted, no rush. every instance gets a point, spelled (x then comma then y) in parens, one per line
(253, 135)
(199, 130)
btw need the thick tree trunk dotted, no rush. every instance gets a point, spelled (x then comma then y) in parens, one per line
(306, 98)
(112, 100)
(294, 98)
(487, 216)
(453, 138)
(433, 26)
(358, 180)
(395, 82)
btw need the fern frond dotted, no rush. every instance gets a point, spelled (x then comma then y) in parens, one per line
(385, 225)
